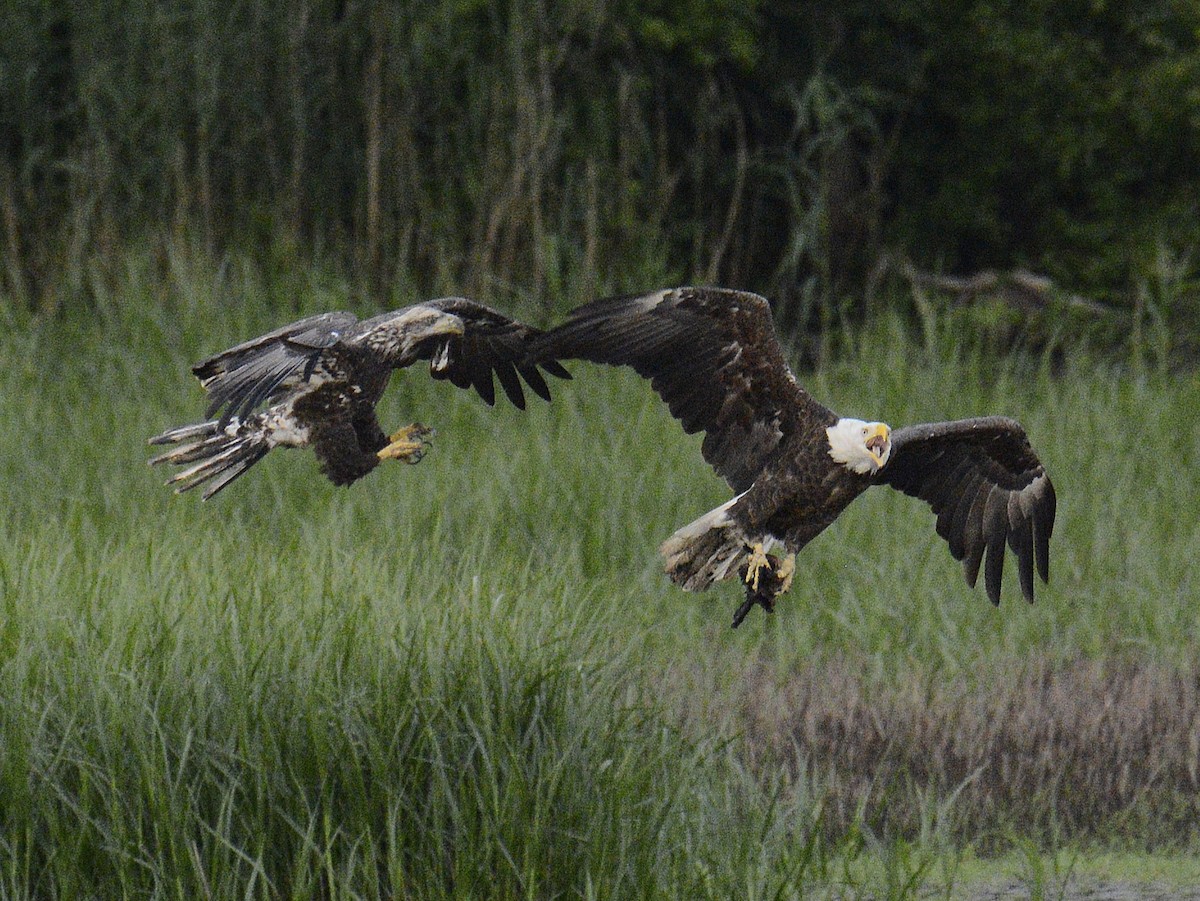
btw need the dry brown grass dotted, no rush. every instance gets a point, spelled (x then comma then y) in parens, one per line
(1078, 751)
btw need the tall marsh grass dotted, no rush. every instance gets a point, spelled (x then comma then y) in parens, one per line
(469, 678)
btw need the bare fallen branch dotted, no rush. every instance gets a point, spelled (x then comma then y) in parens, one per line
(1024, 290)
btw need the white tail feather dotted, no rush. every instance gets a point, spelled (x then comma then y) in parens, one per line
(186, 432)
(218, 456)
(706, 550)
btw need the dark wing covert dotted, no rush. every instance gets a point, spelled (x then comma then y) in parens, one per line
(250, 373)
(491, 343)
(711, 354)
(987, 487)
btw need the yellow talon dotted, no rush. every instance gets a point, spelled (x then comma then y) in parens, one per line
(405, 451)
(408, 444)
(785, 571)
(756, 560)
(410, 433)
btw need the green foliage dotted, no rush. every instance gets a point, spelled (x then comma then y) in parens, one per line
(707, 32)
(310, 692)
(1042, 135)
(543, 151)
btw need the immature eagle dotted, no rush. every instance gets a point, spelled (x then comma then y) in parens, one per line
(712, 355)
(320, 379)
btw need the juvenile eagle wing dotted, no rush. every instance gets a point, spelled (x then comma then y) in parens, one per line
(260, 370)
(712, 355)
(255, 371)
(491, 343)
(987, 487)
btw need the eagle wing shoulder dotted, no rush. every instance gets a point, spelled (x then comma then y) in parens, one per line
(712, 355)
(492, 344)
(987, 486)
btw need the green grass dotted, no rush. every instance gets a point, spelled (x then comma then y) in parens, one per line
(469, 678)
(1047, 875)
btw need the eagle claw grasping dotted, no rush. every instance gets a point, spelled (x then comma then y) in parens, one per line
(770, 579)
(408, 444)
(755, 562)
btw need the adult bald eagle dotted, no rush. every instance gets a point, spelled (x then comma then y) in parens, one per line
(319, 379)
(713, 356)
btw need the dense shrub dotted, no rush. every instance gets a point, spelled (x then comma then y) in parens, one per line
(569, 147)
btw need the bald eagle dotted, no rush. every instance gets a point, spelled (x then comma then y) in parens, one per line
(795, 465)
(318, 381)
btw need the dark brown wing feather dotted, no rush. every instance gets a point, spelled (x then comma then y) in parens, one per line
(712, 355)
(492, 343)
(987, 487)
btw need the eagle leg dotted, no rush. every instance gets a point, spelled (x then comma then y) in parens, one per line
(755, 562)
(410, 433)
(785, 571)
(408, 444)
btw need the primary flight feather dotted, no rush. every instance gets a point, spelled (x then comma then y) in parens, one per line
(713, 356)
(315, 383)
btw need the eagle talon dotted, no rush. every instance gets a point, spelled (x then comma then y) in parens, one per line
(764, 587)
(404, 451)
(412, 433)
(755, 562)
(408, 445)
(784, 572)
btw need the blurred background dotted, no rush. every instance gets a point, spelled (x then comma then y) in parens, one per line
(471, 678)
(1032, 161)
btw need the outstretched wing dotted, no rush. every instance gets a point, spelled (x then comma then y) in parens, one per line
(491, 343)
(241, 378)
(987, 487)
(712, 355)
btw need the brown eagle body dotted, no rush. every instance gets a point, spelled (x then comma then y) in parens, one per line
(315, 383)
(795, 465)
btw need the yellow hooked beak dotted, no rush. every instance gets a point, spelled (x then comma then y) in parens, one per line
(878, 442)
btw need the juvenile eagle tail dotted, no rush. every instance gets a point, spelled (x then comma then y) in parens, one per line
(218, 455)
(705, 551)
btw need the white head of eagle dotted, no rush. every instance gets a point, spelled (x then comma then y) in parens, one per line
(863, 447)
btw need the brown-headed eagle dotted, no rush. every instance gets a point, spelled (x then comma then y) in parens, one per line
(315, 383)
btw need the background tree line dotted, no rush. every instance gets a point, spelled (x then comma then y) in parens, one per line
(548, 148)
